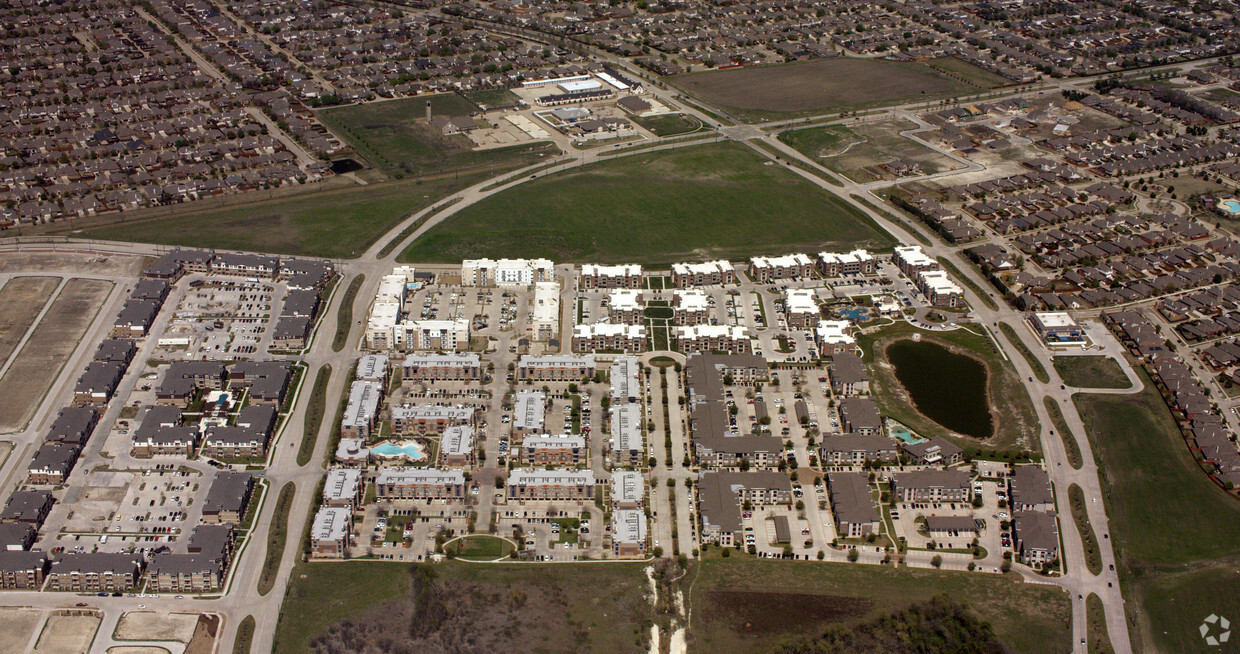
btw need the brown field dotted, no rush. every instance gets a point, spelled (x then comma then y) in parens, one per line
(16, 628)
(22, 299)
(754, 612)
(67, 634)
(40, 360)
(205, 632)
(819, 85)
(149, 625)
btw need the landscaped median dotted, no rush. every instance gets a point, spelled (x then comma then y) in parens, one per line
(314, 415)
(245, 636)
(1089, 541)
(1070, 446)
(276, 538)
(344, 315)
(1039, 370)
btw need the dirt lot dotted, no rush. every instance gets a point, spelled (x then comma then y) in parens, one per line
(859, 151)
(137, 649)
(768, 613)
(69, 262)
(149, 625)
(205, 631)
(67, 634)
(55, 339)
(818, 85)
(22, 299)
(16, 628)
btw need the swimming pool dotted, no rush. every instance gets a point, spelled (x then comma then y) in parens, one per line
(1229, 206)
(897, 430)
(411, 450)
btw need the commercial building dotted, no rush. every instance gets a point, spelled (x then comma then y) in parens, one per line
(711, 273)
(442, 367)
(525, 484)
(619, 276)
(420, 484)
(555, 367)
(1058, 328)
(852, 504)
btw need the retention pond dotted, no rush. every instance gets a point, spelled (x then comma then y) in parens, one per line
(946, 387)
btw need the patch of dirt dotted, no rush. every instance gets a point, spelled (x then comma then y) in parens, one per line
(205, 632)
(753, 612)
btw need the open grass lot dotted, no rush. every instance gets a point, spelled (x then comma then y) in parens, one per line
(703, 201)
(789, 90)
(336, 223)
(669, 124)
(22, 298)
(1016, 423)
(482, 548)
(16, 628)
(67, 634)
(743, 604)
(1177, 535)
(466, 607)
(857, 151)
(55, 338)
(1091, 372)
(491, 98)
(393, 135)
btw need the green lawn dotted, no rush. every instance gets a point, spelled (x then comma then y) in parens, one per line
(276, 538)
(698, 202)
(503, 607)
(1099, 640)
(1089, 541)
(1177, 534)
(492, 98)
(335, 223)
(746, 604)
(314, 414)
(1071, 447)
(482, 548)
(393, 135)
(1091, 372)
(669, 124)
(344, 315)
(1016, 422)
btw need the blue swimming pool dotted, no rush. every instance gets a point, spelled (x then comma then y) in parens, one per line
(1230, 206)
(411, 449)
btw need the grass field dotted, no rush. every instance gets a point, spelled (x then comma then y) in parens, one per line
(314, 415)
(704, 201)
(784, 91)
(482, 548)
(22, 298)
(743, 604)
(1091, 372)
(393, 135)
(1070, 445)
(856, 151)
(491, 98)
(53, 341)
(1039, 370)
(467, 607)
(276, 538)
(1177, 535)
(669, 124)
(337, 223)
(1016, 423)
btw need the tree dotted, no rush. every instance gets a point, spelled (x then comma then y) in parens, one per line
(821, 555)
(853, 555)
(1006, 567)
(657, 551)
(937, 561)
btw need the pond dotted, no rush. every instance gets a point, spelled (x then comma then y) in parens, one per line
(946, 387)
